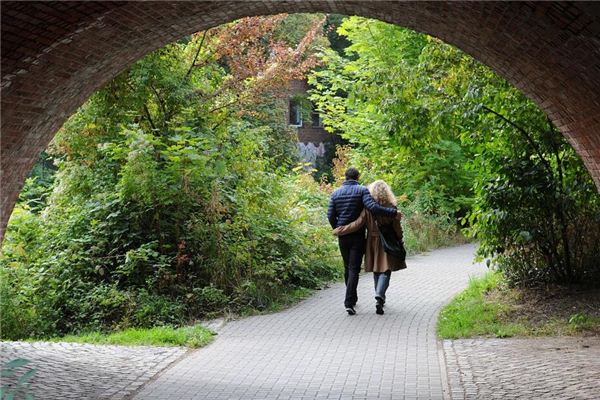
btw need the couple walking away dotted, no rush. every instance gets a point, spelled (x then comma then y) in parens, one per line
(353, 208)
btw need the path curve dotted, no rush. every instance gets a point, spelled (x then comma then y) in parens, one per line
(315, 351)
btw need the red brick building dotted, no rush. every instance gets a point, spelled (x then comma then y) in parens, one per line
(313, 140)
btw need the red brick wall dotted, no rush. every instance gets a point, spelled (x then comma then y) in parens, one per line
(308, 133)
(56, 54)
(316, 135)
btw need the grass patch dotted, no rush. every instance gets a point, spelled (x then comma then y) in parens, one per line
(189, 336)
(470, 314)
(489, 308)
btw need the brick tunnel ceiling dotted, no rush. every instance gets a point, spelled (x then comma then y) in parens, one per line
(56, 54)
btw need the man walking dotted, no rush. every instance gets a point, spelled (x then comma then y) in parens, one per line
(346, 204)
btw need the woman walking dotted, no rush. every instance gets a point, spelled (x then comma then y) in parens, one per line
(376, 259)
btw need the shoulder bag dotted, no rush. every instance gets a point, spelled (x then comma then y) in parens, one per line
(391, 243)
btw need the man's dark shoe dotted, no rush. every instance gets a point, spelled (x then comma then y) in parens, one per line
(380, 300)
(350, 310)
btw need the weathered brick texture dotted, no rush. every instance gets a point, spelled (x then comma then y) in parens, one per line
(307, 133)
(56, 54)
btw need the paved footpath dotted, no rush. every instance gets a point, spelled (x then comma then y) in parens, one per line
(315, 351)
(531, 368)
(85, 371)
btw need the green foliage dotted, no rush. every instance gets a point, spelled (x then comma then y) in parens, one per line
(293, 28)
(579, 320)
(458, 143)
(423, 231)
(39, 183)
(537, 210)
(337, 42)
(173, 200)
(384, 99)
(580, 323)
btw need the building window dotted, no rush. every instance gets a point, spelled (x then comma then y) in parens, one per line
(317, 122)
(295, 113)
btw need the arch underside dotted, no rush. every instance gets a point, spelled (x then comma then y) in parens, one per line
(55, 55)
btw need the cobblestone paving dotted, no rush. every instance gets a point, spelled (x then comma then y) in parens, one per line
(315, 351)
(539, 368)
(82, 371)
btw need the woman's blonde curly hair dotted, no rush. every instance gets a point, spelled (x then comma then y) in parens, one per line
(382, 193)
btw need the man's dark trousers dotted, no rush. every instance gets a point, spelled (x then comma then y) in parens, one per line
(352, 247)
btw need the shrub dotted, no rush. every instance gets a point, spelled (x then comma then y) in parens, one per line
(175, 196)
(538, 218)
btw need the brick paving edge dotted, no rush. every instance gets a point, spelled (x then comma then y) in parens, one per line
(158, 373)
(443, 371)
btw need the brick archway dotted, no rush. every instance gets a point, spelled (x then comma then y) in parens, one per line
(56, 54)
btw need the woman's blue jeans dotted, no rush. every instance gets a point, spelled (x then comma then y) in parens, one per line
(382, 282)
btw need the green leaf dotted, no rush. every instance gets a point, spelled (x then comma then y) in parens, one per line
(16, 363)
(7, 373)
(26, 376)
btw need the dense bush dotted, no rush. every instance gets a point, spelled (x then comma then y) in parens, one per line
(91, 267)
(538, 217)
(174, 197)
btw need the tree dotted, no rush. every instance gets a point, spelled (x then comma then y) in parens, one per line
(384, 101)
(459, 141)
(174, 197)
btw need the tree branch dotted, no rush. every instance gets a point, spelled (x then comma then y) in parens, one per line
(238, 98)
(559, 204)
(149, 117)
(525, 134)
(146, 110)
(189, 71)
(160, 102)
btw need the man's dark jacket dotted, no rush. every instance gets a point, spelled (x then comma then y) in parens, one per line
(348, 201)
